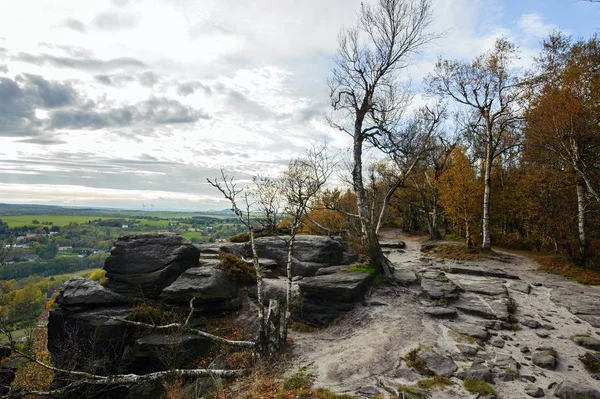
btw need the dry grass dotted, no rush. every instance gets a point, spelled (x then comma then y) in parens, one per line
(456, 251)
(267, 382)
(561, 265)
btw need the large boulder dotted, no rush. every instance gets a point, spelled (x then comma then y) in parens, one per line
(327, 297)
(82, 292)
(311, 253)
(208, 285)
(142, 265)
(163, 352)
(572, 390)
(341, 287)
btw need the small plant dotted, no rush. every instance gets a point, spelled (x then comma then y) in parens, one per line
(148, 312)
(590, 362)
(512, 306)
(302, 379)
(412, 392)
(298, 326)
(435, 382)
(442, 277)
(99, 275)
(236, 268)
(413, 361)
(479, 386)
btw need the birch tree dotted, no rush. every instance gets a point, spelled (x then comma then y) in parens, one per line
(366, 89)
(490, 90)
(301, 182)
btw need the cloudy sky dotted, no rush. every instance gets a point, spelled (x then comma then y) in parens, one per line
(128, 102)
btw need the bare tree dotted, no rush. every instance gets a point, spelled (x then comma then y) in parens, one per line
(266, 194)
(366, 90)
(228, 188)
(491, 91)
(301, 182)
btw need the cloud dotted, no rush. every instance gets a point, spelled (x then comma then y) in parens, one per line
(74, 24)
(533, 25)
(19, 99)
(3, 68)
(148, 79)
(116, 80)
(45, 140)
(156, 110)
(86, 63)
(187, 88)
(115, 21)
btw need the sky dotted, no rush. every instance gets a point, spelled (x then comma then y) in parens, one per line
(127, 103)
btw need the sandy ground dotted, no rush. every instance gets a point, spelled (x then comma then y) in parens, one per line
(367, 344)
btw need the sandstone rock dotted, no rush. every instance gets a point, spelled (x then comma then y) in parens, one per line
(497, 342)
(319, 312)
(491, 288)
(534, 392)
(79, 291)
(161, 352)
(441, 312)
(368, 391)
(572, 390)
(392, 244)
(520, 287)
(471, 330)
(588, 342)
(480, 271)
(544, 358)
(475, 305)
(142, 265)
(440, 365)
(207, 285)
(531, 323)
(439, 287)
(343, 286)
(477, 374)
(404, 276)
(467, 350)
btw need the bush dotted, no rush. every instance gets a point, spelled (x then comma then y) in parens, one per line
(237, 269)
(245, 237)
(152, 313)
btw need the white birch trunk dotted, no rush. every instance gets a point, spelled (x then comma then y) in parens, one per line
(581, 220)
(486, 242)
(259, 296)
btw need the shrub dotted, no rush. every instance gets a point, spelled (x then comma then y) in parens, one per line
(145, 311)
(245, 237)
(99, 275)
(236, 268)
(590, 362)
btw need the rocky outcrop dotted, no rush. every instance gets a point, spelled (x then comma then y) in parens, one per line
(211, 288)
(311, 253)
(153, 353)
(571, 390)
(327, 297)
(79, 291)
(142, 265)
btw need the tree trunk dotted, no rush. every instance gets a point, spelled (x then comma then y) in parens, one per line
(288, 292)
(262, 338)
(581, 221)
(486, 242)
(435, 230)
(367, 227)
(273, 333)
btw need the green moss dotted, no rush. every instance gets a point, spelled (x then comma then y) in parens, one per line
(302, 379)
(363, 268)
(479, 386)
(413, 392)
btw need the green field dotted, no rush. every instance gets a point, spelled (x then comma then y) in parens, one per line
(27, 220)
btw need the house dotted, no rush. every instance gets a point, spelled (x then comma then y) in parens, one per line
(125, 226)
(65, 248)
(191, 230)
(30, 258)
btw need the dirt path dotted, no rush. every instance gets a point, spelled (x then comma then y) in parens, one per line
(364, 349)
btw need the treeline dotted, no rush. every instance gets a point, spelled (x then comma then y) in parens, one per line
(51, 267)
(501, 157)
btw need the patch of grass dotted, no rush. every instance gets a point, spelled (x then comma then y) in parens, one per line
(590, 362)
(561, 265)
(378, 276)
(457, 252)
(412, 360)
(298, 326)
(435, 382)
(579, 336)
(462, 337)
(512, 306)
(302, 379)
(479, 386)
(413, 392)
